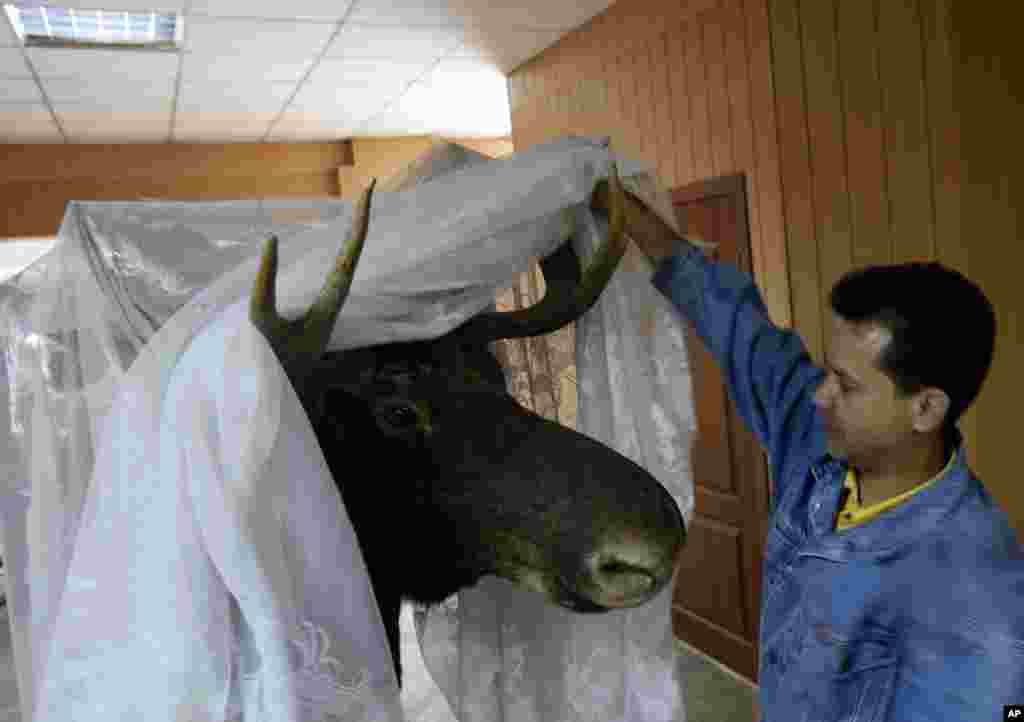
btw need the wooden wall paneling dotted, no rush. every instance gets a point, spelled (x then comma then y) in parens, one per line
(951, 244)
(788, 65)
(679, 88)
(645, 100)
(540, 107)
(719, 121)
(774, 280)
(46, 161)
(700, 123)
(663, 67)
(36, 207)
(825, 124)
(566, 75)
(734, 30)
(613, 100)
(862, 100)
(626, 79)
(988, 79)
(906, 135)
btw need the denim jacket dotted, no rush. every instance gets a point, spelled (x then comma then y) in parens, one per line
(917, 615)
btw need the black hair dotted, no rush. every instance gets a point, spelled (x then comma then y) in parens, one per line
(941, 324)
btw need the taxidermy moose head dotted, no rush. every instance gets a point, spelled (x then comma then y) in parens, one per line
(457, 479)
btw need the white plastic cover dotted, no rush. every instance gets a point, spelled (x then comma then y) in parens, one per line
(176, 547)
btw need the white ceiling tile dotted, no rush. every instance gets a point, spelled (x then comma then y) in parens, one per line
(114, 104)
(505, 48)
(331, 10)
(391, 41)
(351, 105)
(386, 77)
(404, 12)
(394, 122)
(90, 124)
(297, 125)
(279, 38)
(129, 5)
(240, 97)
(265, 67)
(344, 106)
(28, 124)
(12, 64)
(221, 126)
(457, 98)
(102, 89)
(19, 90)
(537, 14)
(113, 65)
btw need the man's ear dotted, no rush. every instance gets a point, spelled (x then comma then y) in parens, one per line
(929, 407)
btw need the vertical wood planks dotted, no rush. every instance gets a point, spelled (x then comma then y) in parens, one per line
(906, 135)
(720, 123)
(794, 154)
(665, 137)
(696, 79)
(642, 73)
(950, 245)
(775, 283)
(862, 98)
(681, 118)
(742, 139)
(828, 151)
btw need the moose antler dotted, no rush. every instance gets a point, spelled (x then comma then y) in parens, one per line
(567, 297)
(300, 343)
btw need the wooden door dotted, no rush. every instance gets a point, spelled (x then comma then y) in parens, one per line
(717, 600)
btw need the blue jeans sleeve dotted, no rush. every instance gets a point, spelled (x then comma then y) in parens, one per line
(767, 370)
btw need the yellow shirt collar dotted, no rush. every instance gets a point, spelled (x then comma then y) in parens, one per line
(853, 514)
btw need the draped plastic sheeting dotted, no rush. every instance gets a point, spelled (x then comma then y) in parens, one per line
(176, 547)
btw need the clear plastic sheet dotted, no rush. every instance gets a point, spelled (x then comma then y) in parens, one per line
(159, 568)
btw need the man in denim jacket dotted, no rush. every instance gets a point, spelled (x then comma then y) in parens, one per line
(894, 585)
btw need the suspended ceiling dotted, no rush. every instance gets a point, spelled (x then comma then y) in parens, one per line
(301, 70)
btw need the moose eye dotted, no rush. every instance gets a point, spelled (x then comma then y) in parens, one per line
(400, 416)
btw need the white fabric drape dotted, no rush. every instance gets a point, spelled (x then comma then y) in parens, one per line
(166, 508)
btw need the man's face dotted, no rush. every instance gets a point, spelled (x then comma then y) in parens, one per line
(863, 415)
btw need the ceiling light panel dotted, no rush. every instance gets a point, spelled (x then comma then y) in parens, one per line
(328, 10)
(383, 41)
(139, 6)
(256, 38)
(28, 124)
(46, 25)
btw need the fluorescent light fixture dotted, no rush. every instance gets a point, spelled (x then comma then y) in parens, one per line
(48, 26)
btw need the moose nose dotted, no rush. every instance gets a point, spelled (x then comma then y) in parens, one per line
(625, 574)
